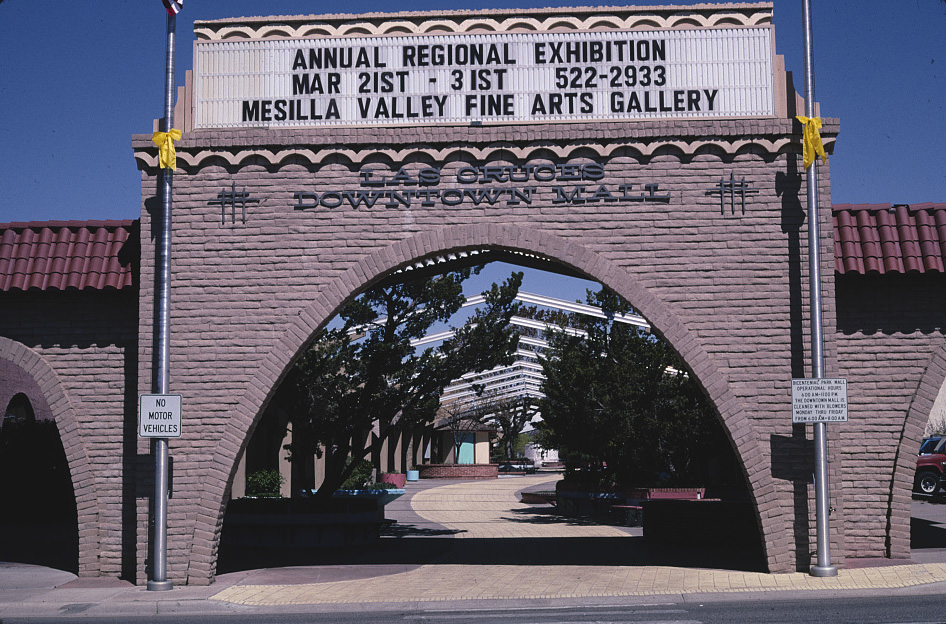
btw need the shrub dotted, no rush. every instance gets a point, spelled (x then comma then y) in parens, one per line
(359, 476)
(380, 485)
(264, 484)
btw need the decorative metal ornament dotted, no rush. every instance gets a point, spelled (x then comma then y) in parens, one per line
(232, 198)
(732, 187)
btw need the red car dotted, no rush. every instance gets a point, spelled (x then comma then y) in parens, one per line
(930, 465)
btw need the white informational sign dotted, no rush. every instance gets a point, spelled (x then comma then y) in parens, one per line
(159, 416)
(501, 77)
(819, 400)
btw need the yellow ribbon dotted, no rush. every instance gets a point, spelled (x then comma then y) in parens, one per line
(811, 140)
(167, 156)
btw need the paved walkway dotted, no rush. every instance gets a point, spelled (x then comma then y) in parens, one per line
(453, 544)
(490, 511)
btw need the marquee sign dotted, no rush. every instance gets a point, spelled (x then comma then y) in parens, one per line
(476, 78)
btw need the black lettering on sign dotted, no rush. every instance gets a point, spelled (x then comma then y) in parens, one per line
(568, 103)
(308, 84)
(336, 58)
(382, 82)
(484, 79)
(679, 101)
(489, 105)
(263, 111)
(585, 52)
(402, 107)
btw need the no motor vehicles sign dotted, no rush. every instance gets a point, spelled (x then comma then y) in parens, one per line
(159, 416)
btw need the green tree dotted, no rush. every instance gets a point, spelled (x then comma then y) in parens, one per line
(619, 399)
(363, 383)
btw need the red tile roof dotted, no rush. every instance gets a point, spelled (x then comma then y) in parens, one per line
(880, 238)
(62, 255)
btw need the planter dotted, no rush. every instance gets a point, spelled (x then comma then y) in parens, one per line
(538, 497)
(349, 518)
(413, 475)
(458, 471)
(380, 497)
(397, 479)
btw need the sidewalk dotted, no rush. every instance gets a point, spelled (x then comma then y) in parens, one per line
(473, 538)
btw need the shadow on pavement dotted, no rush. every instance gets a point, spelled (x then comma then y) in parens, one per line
(926, 534)
(549, 516)
(49, 544)
(413, 541)
(928, 522)
(409, 546)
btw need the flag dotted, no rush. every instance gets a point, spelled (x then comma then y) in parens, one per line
(173, 6)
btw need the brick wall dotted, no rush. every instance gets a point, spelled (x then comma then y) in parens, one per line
(75, 356)
(891, 350)
(727, 288)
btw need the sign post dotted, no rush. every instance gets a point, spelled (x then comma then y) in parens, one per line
(823, 568)
(159, 580)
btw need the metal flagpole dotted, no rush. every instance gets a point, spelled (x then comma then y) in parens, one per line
(159, 581)
(823, 566)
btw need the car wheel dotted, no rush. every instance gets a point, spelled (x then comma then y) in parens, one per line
(927, 483)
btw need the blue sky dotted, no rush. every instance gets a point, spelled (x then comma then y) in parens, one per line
(78, 79)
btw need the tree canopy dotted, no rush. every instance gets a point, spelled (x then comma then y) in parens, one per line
(620, 404)
(363, 382)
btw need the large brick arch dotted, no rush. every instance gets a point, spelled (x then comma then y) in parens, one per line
(23, 362)
(901, 486)
(373, 267)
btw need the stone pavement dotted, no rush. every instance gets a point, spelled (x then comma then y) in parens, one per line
(474, 540)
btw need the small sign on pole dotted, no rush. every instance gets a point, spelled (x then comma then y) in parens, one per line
(159, 416)
(819, 400)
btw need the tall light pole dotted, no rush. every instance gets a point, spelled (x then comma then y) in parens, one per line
(823, 566)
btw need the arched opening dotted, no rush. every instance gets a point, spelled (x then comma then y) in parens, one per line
(928, 505)
(19, 411)
(38, 519)
(275, 360)
(723, 474)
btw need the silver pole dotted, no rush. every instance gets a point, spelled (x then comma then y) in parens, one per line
(159, 581)
(823, 566)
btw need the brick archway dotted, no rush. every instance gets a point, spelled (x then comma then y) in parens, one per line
(19, 363)
(370, 269)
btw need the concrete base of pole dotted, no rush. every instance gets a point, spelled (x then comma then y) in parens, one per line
(823, 571)
(160, 585)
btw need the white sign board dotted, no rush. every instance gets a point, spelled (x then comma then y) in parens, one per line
(498, 77)
(159, 416)
(819, 400)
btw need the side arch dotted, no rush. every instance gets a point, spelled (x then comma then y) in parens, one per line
(901, 485)
(19, 357)
(375, 266)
